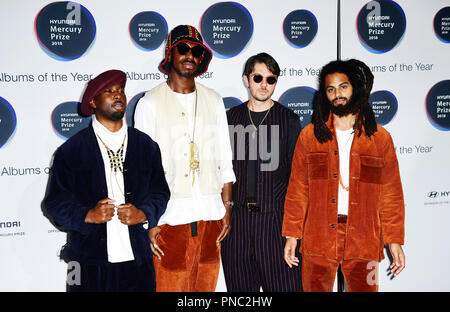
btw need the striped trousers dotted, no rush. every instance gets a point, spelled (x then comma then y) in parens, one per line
(252, 254)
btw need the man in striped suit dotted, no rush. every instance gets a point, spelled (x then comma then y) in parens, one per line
(263, 134)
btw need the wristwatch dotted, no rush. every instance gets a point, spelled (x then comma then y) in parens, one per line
(229, 203)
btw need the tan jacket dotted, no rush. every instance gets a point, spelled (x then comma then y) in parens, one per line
(376, 208)
(172, 135)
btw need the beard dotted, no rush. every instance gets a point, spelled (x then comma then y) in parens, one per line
(187, 74)
(116, 116)
(351, 107)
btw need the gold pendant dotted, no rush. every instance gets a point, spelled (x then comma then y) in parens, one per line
(194, 160)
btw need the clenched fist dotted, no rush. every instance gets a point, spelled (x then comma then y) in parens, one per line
(130, 215)
(102, 212)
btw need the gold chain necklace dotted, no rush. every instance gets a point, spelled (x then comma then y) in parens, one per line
(251, 120)
(194, 161)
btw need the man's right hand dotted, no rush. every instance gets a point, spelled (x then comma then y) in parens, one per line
(289, 252)
(153, 234)
(102, 212)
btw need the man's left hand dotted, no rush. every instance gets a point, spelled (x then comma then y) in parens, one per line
(398, 262)
(130, 215)
(226, 225)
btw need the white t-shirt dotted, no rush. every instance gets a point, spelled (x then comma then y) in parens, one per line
(117, 234)
(198, 207)
(344, 139)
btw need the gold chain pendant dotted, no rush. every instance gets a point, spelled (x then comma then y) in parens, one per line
(194, 160)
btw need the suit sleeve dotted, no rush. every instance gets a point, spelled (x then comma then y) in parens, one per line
(297, 198)
(294, 131)
(392, 209)
(60, 202)
(226, 154)
(154, 203)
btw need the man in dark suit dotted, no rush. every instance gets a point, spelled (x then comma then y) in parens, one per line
(263, 134)
(107, 188)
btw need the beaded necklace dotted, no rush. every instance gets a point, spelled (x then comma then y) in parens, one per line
(116, 160)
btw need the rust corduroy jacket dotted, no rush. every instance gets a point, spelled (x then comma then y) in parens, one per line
(376, 208)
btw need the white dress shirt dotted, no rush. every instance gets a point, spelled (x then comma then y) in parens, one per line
(117, 234)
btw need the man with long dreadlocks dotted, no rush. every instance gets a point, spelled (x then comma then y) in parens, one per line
(345, 199)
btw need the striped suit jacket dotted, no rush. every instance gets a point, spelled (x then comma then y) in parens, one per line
(272, 184)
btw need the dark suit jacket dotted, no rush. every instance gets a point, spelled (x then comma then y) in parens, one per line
(78, 182)
(272, 184)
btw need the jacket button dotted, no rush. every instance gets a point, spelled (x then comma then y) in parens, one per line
(335, 152)
(185, 175)
(333, 226)
(333, 201)
(183, 114)
(335, 175)
(128, 193)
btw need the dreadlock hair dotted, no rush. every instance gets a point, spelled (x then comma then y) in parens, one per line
(361, 79)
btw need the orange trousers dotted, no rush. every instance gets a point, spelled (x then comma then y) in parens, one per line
(319, 273)
(190, 263)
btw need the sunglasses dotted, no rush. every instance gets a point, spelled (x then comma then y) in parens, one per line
(197, 50)
(270, 79)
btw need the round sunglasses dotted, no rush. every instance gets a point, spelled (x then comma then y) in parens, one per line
(184, 49)
(270, 79)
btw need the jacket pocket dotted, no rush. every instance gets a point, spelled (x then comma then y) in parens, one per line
(317, 165)
(371, 169)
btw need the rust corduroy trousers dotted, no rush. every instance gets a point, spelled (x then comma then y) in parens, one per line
(319, 273)
(191, 261)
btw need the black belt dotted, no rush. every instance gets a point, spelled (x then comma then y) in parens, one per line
(194, 229)
(342, 218)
